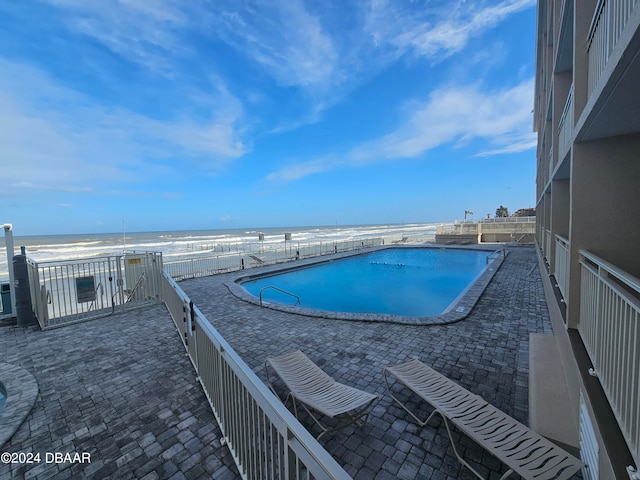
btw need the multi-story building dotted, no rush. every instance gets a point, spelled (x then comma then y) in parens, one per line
(587, 116)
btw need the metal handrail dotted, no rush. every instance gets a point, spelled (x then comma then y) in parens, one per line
(280, 290)
(626, 278)
(495, 254)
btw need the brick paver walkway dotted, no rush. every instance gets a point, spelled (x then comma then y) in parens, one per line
(122, 388)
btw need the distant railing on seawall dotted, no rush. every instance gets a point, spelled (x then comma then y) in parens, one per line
(254, 257)
(265, 439)
(488, 226)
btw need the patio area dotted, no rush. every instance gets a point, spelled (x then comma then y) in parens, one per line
(122, 388)
(119, 389)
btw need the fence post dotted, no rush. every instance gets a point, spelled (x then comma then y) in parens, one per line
(120, 280)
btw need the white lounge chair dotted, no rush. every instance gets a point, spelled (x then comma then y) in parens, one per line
(317, 391)
(524, 451)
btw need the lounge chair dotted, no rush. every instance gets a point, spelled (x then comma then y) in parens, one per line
(317, 391)
(525, 452)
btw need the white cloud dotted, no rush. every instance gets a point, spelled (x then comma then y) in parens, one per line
(144, 32)
(56, 138)
(284, 38)
(459, 114)
(437, 30)
(452, 114)
(303, 169)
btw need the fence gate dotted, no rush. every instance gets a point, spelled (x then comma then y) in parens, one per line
(143, 273)
(76, 290)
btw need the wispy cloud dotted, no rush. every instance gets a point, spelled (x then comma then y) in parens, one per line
(451, 115)
(144, 32)
(283, 37)
(439, 29)
(458, 113)
(55, 137)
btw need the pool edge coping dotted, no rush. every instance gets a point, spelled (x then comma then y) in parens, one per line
(459, 309)
(22, 390)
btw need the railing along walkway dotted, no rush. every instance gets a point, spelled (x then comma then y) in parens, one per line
(265, 439)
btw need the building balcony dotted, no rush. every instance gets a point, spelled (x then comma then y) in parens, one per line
(609, 21)
(613, 72)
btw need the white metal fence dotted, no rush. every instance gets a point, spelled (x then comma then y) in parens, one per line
(610, 329)
(202, 266)
(547, 244)
(562, 265)
(69, 291)
(540, 237)
(458, 228)
(265, 439)
(609, 20)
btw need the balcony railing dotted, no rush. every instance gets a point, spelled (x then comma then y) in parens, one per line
(540, 236)
(562, 266)
(609, 20)
(610, 329)
(265, 439)
(546, 244)
(565, 128)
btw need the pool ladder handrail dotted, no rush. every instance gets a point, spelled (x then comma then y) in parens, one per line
(495, 254)
(280, 290)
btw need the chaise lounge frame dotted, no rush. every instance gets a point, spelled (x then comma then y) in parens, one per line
(316, 391)
(524, 451)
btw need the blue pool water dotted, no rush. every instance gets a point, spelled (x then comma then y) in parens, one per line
(415, 282)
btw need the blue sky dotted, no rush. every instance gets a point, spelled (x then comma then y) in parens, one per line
(173, 114)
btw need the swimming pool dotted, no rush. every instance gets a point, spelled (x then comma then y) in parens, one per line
(409, 282)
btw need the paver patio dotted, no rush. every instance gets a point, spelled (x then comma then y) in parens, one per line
(120, 389)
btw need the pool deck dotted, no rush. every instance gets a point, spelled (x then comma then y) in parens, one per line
(122, 389)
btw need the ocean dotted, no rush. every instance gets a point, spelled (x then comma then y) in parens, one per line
(181, 245)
